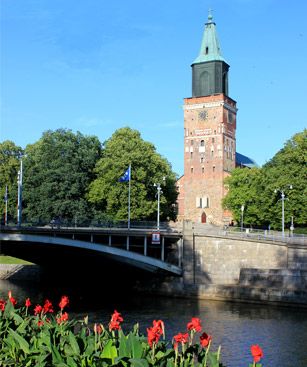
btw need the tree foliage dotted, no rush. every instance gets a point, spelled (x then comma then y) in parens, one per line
(57, 171)
(259, 189)
(9, 165)
(148, 167)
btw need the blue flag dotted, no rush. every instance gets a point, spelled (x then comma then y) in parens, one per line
(126, 176)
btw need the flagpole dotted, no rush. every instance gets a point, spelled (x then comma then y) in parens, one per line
(129, 191)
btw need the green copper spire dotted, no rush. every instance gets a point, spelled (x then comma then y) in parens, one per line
(210, 47)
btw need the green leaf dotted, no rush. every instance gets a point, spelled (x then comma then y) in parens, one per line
(23, 344)
(138, 362)
(170, 363)
(17, 318)
(71, 362)
(135, 345)
(109, 351)
(73, 343)
(22, 327)
(56, 357)
(123, 349)
(212, 357)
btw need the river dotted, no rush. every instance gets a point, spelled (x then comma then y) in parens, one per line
(280, 331)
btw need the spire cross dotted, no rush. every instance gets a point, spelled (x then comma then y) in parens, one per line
(210, 17)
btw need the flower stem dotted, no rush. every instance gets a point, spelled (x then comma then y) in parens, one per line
(206, 355)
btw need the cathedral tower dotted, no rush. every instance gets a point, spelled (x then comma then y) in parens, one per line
(209, 135)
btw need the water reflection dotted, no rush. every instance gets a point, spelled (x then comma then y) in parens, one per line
(282, 332)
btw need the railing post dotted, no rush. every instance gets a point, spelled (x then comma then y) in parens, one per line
(110, 240)
(127, 244)
(92, 239)
(145, 245)
(162, 248)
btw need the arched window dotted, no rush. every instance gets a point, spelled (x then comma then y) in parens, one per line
(202, 143)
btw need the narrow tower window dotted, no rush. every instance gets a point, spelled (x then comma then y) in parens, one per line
(207, 50)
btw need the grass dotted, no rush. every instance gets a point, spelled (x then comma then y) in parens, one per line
(12, 260)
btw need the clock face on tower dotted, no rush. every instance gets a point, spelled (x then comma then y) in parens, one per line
(202, 115)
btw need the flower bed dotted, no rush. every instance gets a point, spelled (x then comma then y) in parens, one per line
(40, 336)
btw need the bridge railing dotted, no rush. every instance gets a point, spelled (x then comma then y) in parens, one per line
(255, 234)
(151, 225)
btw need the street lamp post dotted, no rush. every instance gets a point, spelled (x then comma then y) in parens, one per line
(283, 197)
(159, 192)
(19, 199)
(242, 212)
(6, 205)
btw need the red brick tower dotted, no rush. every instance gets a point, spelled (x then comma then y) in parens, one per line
(209, 135)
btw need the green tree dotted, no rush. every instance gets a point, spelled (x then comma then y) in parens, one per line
(57, 172)
(244, 189)
(287, 167)
(9, 165)
(260, 189)
(148, 167)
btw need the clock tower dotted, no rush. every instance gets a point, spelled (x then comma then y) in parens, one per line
(209, 135)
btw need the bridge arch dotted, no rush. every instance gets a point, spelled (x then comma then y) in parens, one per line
(128, 257)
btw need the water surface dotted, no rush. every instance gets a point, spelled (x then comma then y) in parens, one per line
(280, 331)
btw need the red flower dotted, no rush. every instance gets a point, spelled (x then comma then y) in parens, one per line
(154, 332)
(64, 302)
(114, 325)
(158, 326)
(205, 339)
(116, 319)
(12, 299)
(38, 309)
(40, 323)
(2, 305)
(98, 328)
(152, 336)
(194, 324)
(28, 302)
(47, 307)
(180, 338)
(256, 352)
(62, 318)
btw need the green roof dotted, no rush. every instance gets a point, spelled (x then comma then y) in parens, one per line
(210, 49)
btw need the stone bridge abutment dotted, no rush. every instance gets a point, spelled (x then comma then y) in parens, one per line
(224, 268)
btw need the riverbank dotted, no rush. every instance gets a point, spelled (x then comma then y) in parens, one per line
(20, 272)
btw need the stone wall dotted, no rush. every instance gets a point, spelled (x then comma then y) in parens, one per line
(239, 269)
(19, 272)
(246, 269)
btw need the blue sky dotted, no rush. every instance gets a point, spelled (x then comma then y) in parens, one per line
(95, 66)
